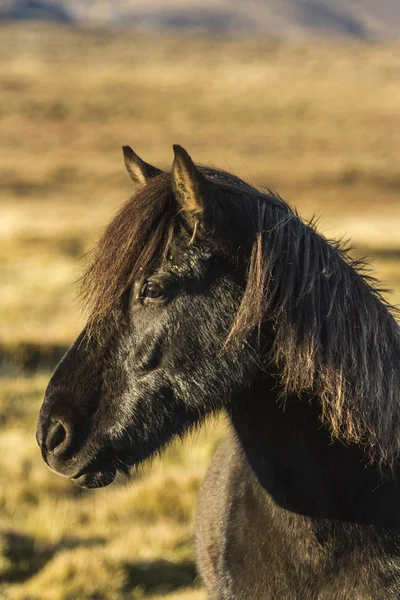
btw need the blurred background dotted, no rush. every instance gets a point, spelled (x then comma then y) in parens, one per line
(299, 95)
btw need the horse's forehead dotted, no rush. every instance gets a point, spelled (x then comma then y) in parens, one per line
(189, 260)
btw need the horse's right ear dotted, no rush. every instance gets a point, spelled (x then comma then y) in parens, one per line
(139, 171)
(190, 187)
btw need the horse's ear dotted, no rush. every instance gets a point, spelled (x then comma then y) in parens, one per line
(139, 171)
(189, 186)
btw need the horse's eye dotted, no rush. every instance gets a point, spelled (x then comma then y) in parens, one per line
(154, 291)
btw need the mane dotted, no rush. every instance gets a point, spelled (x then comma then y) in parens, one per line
(135, 239)
(334, 335)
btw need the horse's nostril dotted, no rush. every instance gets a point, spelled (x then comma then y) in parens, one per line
(56, 436)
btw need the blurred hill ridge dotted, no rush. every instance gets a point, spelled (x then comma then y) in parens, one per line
(360, 19)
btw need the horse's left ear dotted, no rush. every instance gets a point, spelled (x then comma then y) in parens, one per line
(190, 186)
(139, 171)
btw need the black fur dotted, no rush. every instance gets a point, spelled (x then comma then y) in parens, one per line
(229, 301)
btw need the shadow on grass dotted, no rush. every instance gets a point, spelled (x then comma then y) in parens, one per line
(25, 359)
(380, 253)
(159, 576)
(22, 556)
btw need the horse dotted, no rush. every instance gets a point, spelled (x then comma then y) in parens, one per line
(207, 295)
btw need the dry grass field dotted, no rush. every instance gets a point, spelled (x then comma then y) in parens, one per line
(320, 123)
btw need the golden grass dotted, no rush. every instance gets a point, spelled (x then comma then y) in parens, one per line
(59, 542)
(319, 123)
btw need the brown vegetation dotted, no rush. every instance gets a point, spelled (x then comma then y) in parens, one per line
(319, 123)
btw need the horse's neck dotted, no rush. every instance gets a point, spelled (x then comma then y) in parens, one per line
(303, 470)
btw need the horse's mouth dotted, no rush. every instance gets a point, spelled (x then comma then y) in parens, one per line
(93, 471)
(95, 479)
(96, 472)
(100, 471)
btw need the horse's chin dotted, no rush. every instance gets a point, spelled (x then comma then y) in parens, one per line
(96, 479)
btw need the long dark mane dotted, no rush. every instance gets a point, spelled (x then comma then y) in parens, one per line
(335, 337)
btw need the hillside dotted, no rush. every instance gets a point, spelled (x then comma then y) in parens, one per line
(362, 19)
